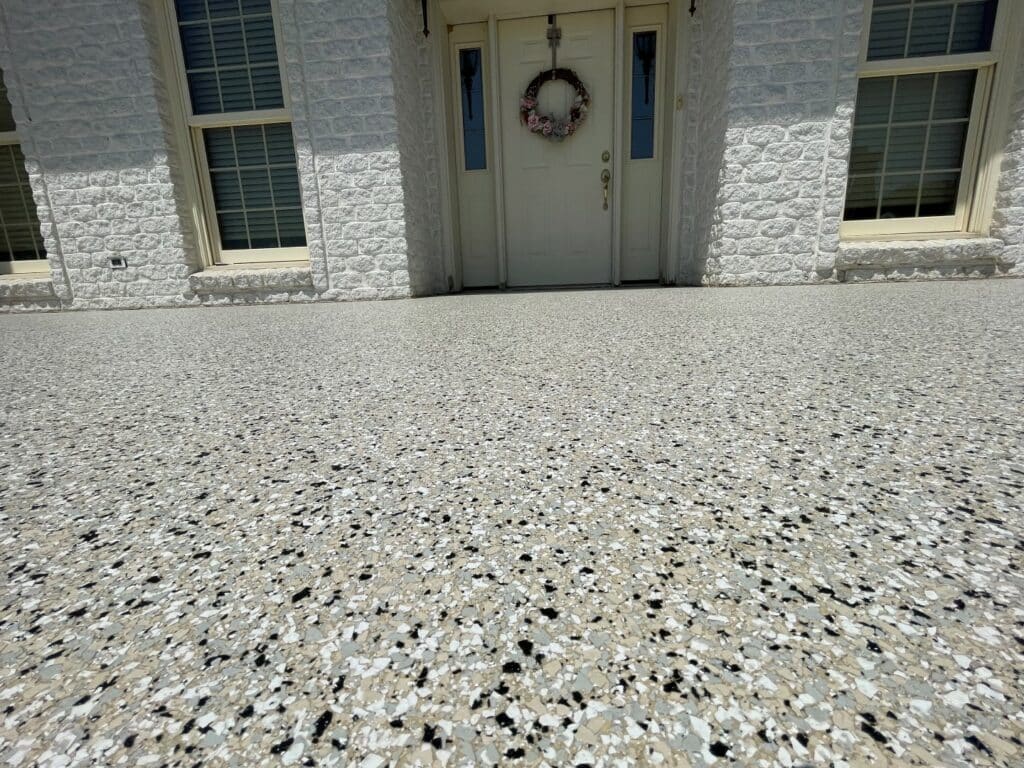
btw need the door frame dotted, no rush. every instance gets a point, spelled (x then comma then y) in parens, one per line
(490, 12)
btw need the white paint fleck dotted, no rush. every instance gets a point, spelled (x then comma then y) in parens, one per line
(957, 699)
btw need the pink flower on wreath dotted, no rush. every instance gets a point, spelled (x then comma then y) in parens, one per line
(532, 122)
(528, 103)
(548, 129)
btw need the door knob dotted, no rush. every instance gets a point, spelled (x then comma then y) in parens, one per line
(606, 178)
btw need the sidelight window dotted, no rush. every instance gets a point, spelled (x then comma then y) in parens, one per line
(474, 138)
(644, 91)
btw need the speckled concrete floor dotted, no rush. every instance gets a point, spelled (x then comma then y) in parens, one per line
(655, 527)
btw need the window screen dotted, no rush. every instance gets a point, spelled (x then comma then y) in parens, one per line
(908, 28)
(908, 144)
(913, 139)
(19, 221)
(6, 118)
(255, 186)
(230, 53)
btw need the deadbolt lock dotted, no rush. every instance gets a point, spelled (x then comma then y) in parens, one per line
(606, 156)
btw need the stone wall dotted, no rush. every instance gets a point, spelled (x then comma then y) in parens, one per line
(34, 293)
(769, 91)
(417, 96)
(87, 107)
(339, 65)
(711, 39)
(791, 68)
(100, 146)
(1008, 219)
(790, 81)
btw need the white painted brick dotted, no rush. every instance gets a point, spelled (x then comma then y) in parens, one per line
(84, 70)
(766, 142)
(782, 139)
(360, 78)
(1008, 219)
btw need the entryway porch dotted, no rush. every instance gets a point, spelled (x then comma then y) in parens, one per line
(530, 209)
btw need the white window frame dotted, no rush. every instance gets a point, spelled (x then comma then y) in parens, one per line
(974, 199)
(190, 131)
(27, 266)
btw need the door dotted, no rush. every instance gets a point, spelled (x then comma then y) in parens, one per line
(557, 228)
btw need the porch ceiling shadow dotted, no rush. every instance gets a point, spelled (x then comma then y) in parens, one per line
(470, 11)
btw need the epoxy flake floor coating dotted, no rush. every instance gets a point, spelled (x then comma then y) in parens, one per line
(652, 527)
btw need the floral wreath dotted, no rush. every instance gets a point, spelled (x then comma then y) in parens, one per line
(546, 125)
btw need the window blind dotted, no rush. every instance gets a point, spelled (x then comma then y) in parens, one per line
(911, 28)
(230, 53)
(255, 186)
(909, 137)
(20, 239)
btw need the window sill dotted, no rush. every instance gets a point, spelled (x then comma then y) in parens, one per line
(930, 251)
(266, 277)
(879, 237)
(26, 286)
(253, 265)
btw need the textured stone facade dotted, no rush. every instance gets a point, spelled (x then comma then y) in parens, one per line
(765, 172)
(364, 221)
(96, 155)
(710, 50)
(416, 99)
(916, 259)
(1008, 216)
(96, 151)
(108, 175)
(777, 85)
(239, 286)
(768, 86)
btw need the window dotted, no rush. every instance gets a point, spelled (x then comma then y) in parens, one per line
(474, 138)
(644, 77)
(926, 75)
(240, 125)
(21, 244)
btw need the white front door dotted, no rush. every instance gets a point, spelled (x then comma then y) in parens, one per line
(557, 228)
